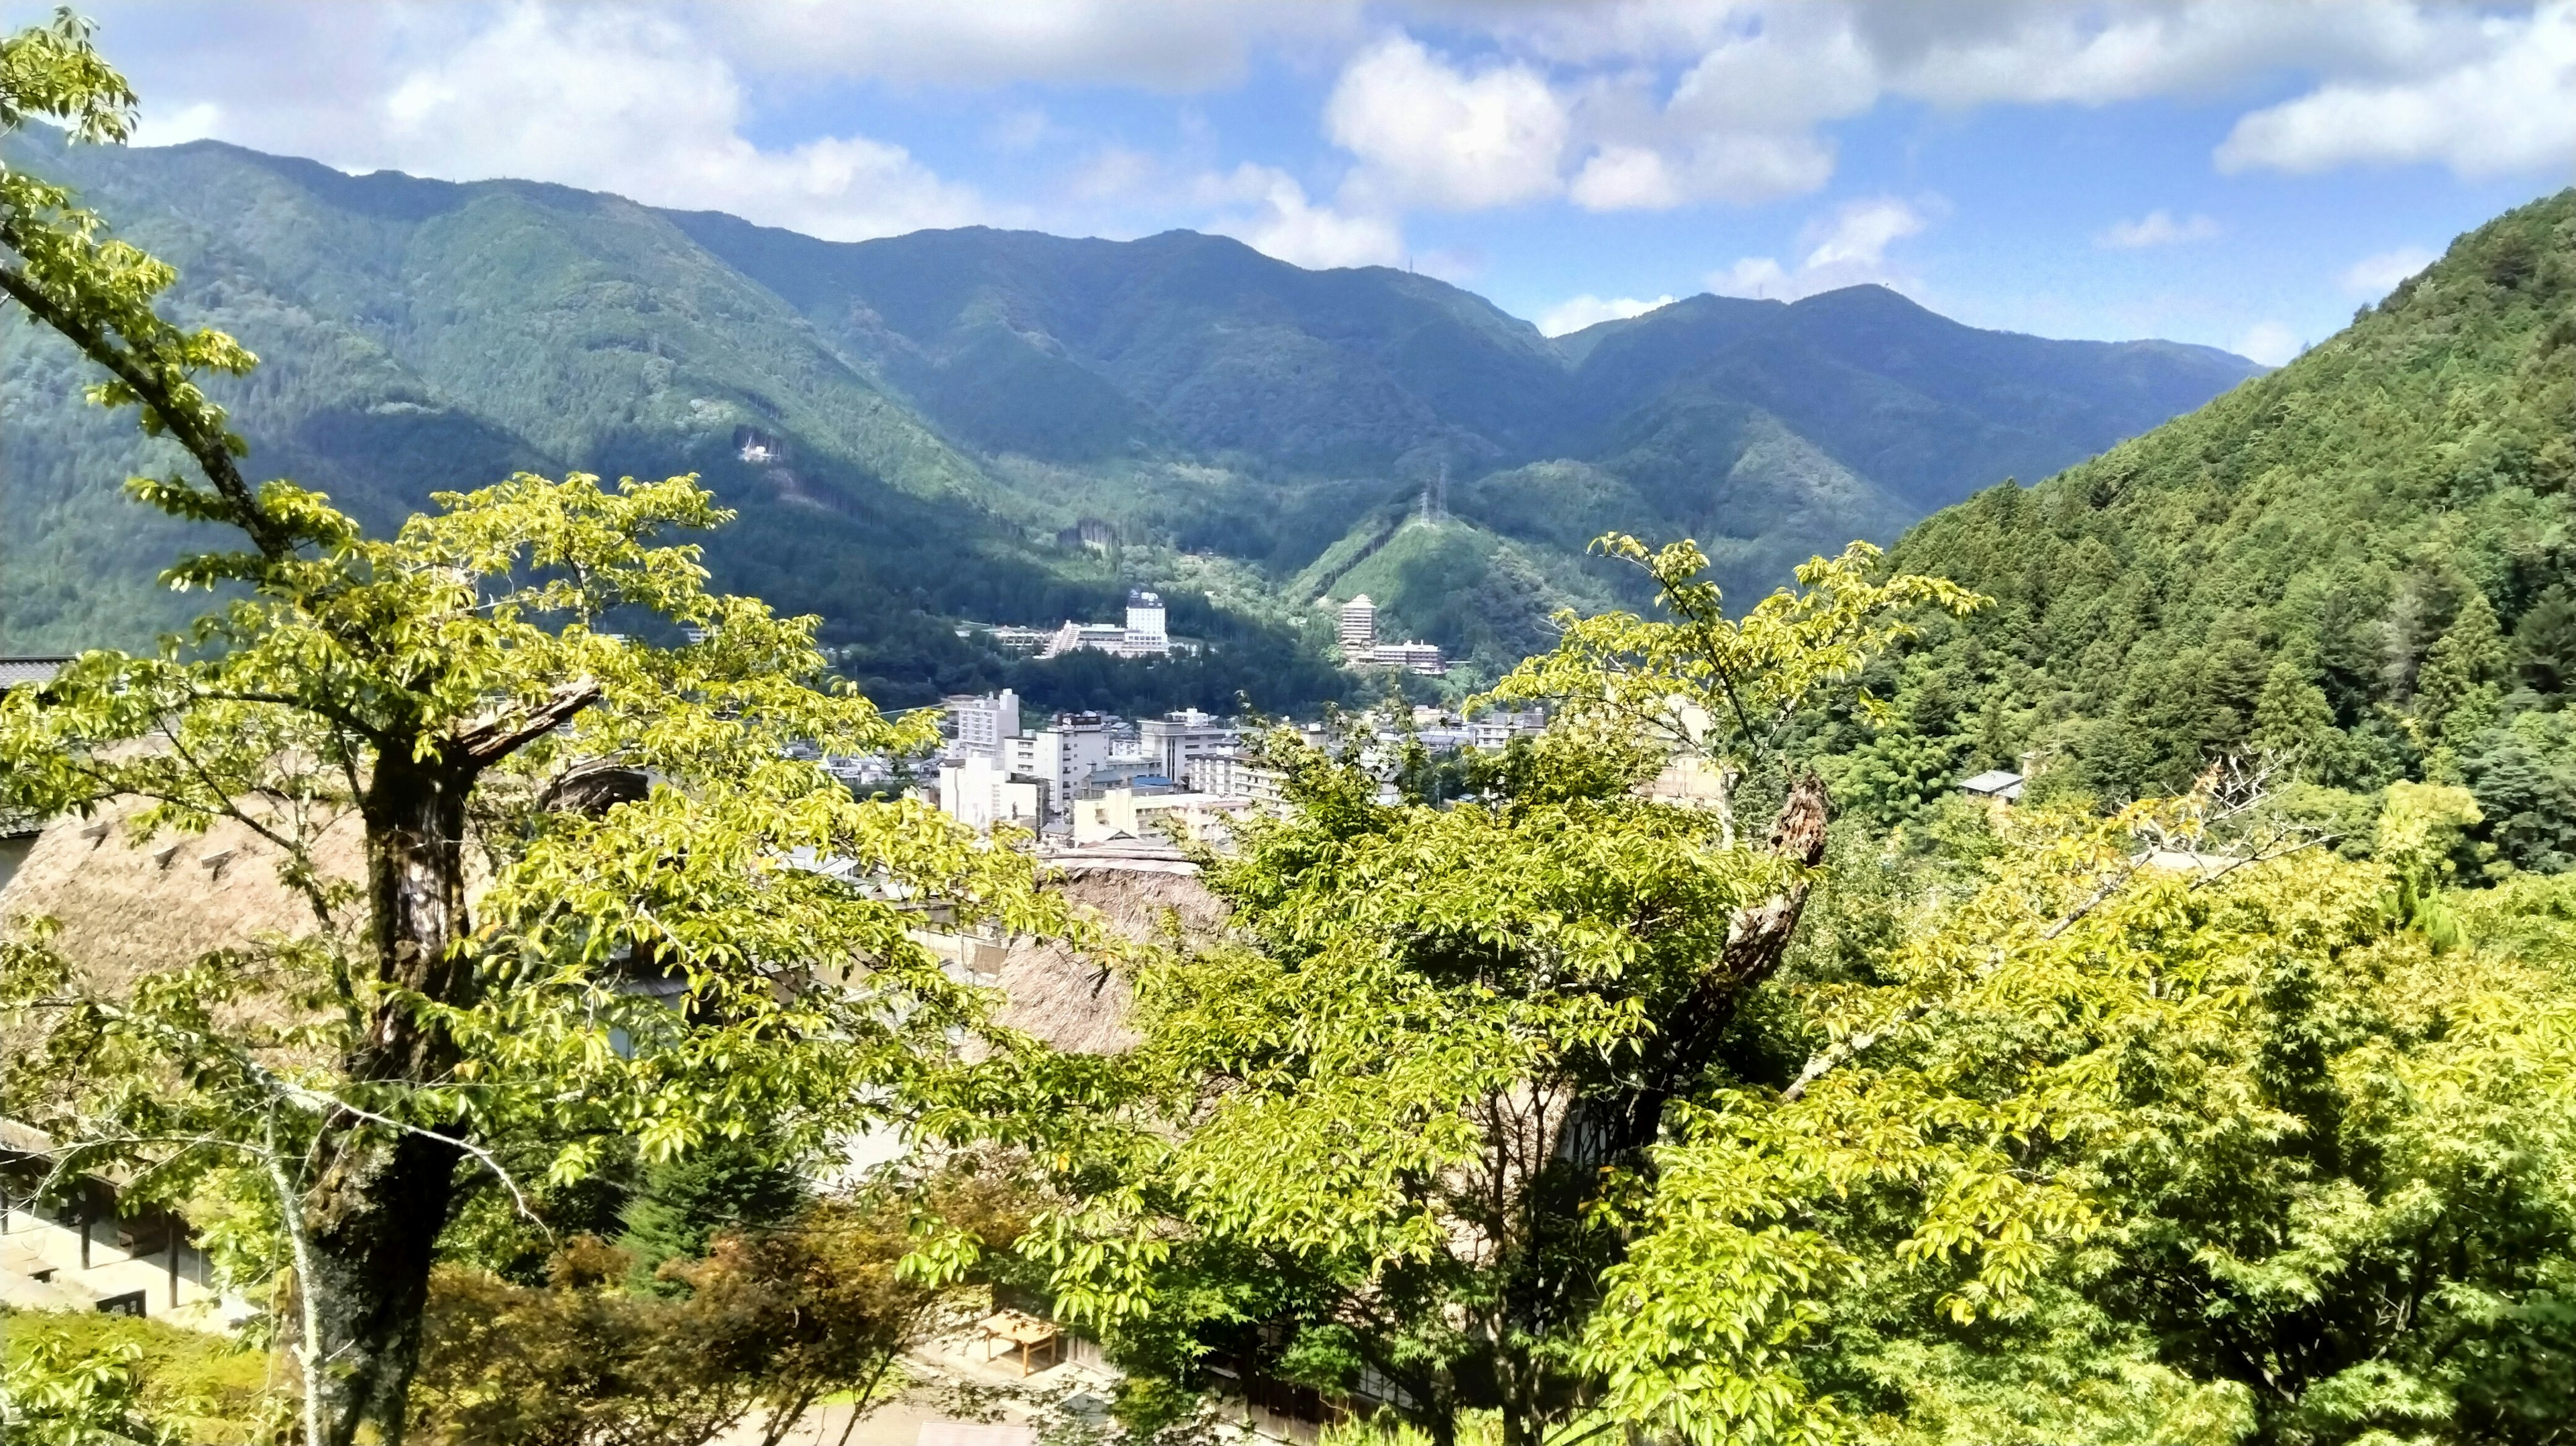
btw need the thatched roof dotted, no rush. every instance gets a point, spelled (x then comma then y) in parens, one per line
(1074, 1003)
(127, 908)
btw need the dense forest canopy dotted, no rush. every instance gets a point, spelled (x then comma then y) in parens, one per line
(2361, 564)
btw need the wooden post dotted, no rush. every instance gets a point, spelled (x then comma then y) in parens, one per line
(84, 1223)
(174, 1262)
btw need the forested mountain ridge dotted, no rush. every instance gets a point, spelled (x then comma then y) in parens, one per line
(1771, 430)
(1250, 431)
(2361, 564)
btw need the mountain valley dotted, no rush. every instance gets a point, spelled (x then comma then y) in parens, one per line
(1248, 436)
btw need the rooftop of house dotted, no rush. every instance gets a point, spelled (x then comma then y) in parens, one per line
(18, 672)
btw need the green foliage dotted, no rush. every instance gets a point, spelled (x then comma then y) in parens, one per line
(451, 692)
(1724, 690)
(1372, 1132)
(2380, 527)
(767, 1324)
(681, 1204)
(87, 1379)
(2109, 1153)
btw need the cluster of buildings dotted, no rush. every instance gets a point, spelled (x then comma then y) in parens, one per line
(1091, 778)
(1362, 649)
(1087, 777)
(1145, 634)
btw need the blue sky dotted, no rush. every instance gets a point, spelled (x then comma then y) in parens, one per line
(2242, 174)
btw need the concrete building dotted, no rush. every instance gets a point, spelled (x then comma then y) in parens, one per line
(1359, 626)
(1231, 775)
(1493, 732)
(1129, 813)
(1177, 740)
(1145, 630)
(1423, 658)
(1062, 755)
(978, 793)
(1143, 635)
(979, 723)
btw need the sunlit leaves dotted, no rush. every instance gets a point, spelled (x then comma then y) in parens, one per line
(1726, 688)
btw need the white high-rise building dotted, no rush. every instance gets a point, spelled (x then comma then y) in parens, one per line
(1176, 740)
(1063, 754)
(980, 723)
(1143, 635)
(1359, 625)
(1145, 631)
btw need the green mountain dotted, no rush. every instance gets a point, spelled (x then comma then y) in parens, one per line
(2363, 564)
(1046, 421)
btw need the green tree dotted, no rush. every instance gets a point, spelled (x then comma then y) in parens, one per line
(2455, 694)
(2112, 1150)
(2293, 722)
(763, 1326)
(52, 1395)
(1384, 1121)
(2544, 642)
(451, 697)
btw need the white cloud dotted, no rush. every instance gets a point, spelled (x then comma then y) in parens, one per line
(1019, 129)
(179, 126)
(1576, 313)
(2268, 342)
(1762, 83)
(2156, 228)
(1861, 233)
(2511, 108)
(1625, 178)
(1282, 222)
(1848, 248)
(1113, 174)
(1429, 134)
(1163, 45)
(2102, 54)
(1618, 105)
(654, 117)
(1740, 125)
(2379, 274)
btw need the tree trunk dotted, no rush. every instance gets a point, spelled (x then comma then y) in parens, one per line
(375, 1218)
(1757, 939)
(375, 1215)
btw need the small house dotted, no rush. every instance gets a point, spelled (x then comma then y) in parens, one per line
(1995, 784)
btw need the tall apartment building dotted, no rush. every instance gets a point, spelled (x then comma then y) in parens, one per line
(1145, 631)
(1176, 740)
(980, 794)
(979, 724)
(1063, 754)
(1359, 625)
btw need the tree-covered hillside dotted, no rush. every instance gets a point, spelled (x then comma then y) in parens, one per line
(2361, 564)
(1771, 431)
(1246, 429)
